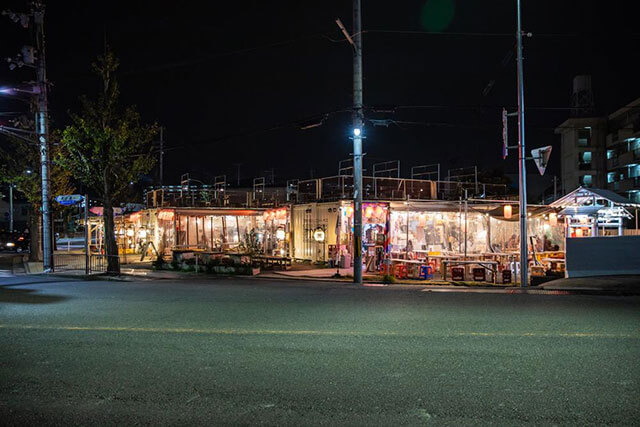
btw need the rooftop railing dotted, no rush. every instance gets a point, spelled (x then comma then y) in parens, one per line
(382, 188)
(339, 187)
(210, 197)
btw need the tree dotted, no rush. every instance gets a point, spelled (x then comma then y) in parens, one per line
(107, 147)
(20, 166)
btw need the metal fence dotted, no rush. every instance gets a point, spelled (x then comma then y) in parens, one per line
(78, 263)
(68, 262)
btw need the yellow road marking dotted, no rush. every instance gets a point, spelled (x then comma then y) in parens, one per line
(319, 332)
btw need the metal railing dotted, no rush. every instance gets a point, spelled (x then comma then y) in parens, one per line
(382, 188)
(78, 263)
(214, 197)
(68, 262)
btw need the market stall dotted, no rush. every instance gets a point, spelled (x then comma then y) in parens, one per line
(276, 236)
(485, 233)
(166, 230)
(592, 212)
(323, 232)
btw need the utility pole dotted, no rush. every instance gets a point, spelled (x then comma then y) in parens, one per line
(87, 236)
(524, 256)
(161, 155)
(42, 132)
(358, 122)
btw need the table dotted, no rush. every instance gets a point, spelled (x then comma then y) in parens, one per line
(272, 261)
(493, 269)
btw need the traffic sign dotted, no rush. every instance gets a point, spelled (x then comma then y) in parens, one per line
(541, 157)
(69, 199)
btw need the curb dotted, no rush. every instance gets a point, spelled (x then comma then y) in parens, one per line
(418, 287)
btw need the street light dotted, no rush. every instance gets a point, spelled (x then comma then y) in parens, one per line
(357, 131)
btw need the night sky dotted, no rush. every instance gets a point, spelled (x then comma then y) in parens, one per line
(230, 81)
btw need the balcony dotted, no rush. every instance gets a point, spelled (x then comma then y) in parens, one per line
(628, 184)
(626, 158)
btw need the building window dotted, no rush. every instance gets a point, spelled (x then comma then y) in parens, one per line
(586, 180)
(584, 160)
(611, 177)
(611, 154)
(584, 137)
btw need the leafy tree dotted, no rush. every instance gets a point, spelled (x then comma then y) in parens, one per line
(106, 147)
(20, 166)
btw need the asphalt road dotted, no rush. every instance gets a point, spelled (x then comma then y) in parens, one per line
(258, 352)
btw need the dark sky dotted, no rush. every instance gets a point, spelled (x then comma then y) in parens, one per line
(220, 76)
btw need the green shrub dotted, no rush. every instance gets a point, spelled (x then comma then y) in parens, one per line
(227, 262)
(245, 270)
(388, 279)
(158, 264)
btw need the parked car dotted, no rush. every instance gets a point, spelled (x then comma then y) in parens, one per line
(17, 242)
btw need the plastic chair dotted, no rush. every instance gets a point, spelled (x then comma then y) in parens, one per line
(401, 271)
(426, 272)
(385, 268)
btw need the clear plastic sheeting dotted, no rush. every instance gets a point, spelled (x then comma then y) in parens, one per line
(505, 235)
(467, 231)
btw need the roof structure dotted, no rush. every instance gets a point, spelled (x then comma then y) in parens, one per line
(582, 196)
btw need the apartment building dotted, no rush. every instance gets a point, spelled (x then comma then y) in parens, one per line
(603, 152)
(623, 151)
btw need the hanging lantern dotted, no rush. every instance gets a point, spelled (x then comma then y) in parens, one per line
(507, 211)
(553, 218)
(422, 220)
(368, 212)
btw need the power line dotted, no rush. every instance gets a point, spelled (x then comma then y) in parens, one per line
(204, 58)
(477, 34)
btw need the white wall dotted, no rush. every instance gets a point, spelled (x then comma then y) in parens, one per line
(603, 256)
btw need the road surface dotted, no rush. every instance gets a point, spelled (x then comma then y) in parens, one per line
(249, 351)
